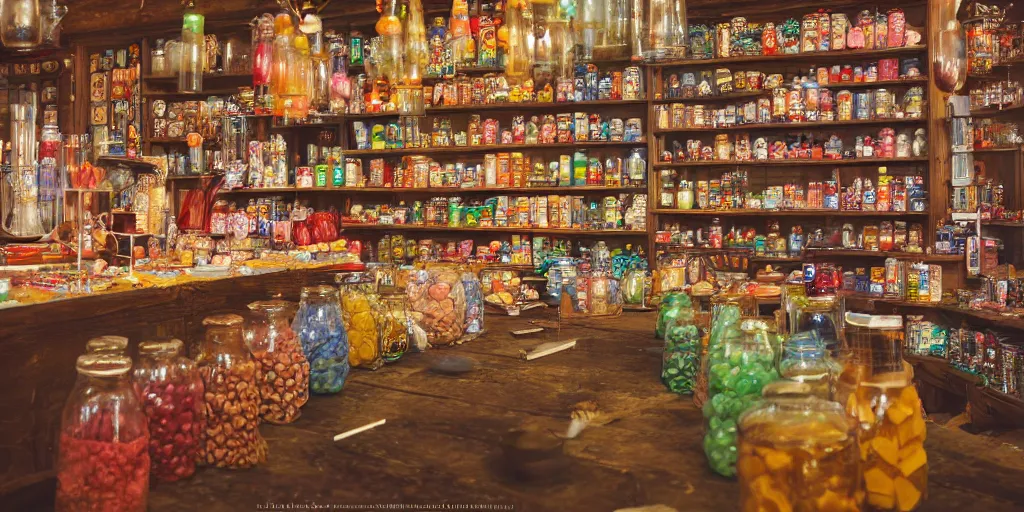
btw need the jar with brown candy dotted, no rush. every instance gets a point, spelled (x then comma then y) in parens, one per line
(438, 296)
(232, 437)
(102, 459)
(282, 371)
(877, 389)
(797, 452)
(172, 394)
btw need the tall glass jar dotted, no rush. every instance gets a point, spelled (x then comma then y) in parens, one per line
(683, 345)
(739, 365)
(321, 330)
(666, 29)
(877, 388)
(358, 294)
(193, 53)
(158, 59)
(282, 371)
(823, 314)
(107, 344)
(102, 460)
(438, 294)
(668, 310)
(797, 453)
(474, 320)
(20, 23)
(805, 360)
(232, 397)
(171, 389)
(262, 58)
(392, 315)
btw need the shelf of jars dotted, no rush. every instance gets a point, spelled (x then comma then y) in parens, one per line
(695, 97)
(790, 125)
(805, 212)
(434, 150)
(855, 253)
(804, 56)
(795, 162)
(540, 231)
(436, 190)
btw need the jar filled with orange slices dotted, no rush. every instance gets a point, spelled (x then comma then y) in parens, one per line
(877, 390)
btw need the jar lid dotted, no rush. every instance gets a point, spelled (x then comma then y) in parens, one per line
(103, 365)
(106, 344)
(172, 346)
(227, 319)
(321, 291)
(274, 304)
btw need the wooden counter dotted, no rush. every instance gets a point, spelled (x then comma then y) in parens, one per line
(39, 344)
(442, 443)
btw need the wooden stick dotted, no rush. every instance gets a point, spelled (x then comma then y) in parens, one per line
(355, 431)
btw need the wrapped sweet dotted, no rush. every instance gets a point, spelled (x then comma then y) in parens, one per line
(171, 389)
(232, 397)
(282, 372)
(321, 331)
(440, 299)
(740, 363)
(103, 457)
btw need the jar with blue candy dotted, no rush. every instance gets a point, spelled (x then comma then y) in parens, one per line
(739, 366)
(321, 330)
(474, 304)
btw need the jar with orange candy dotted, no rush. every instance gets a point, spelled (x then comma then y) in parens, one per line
(877, 390)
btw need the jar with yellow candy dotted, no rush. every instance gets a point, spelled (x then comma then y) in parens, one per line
(797, 452)
(877, 390)
(358, 292)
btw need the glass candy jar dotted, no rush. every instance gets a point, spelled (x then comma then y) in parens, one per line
(474, 320)
(172, 393)
(739, 365)
(805, 360)
(232, 398)
(822, 314)
(668, 310)
(634, 287)
(358, 293)
(103, 457)
(877, 389)
(282, 371)
(683, 346)
(321, 330)
(392, 325)
(438, 294)
(108, 344)
(797, 453)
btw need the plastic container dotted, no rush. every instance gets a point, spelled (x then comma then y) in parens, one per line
(797, 453)
(171, 389)
(282, 370)
(321, 330)
(739, 365)
(877, 390)
(103, 457)
(440, 299)
(232, 437)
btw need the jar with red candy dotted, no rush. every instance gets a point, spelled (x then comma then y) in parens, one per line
(172, 395)
(103, 457)
(232, 436)
(282, 371)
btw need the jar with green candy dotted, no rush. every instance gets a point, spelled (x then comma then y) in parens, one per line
(634, 286)
(668, 310)
(681, 359)
(739, 366)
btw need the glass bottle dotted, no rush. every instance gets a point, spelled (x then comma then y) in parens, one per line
(52, 14)
(415, 48)
(20, 23)
(821, 314)
(341, 87)
(107, 344)
(474, 320)
(172, 393)
(51, 183)
(262, 58)
(321, 330)
(103, 458)
(232, 396)
(193, 52)
(358, 292)
(282, 371)
(787, 443)
(685, 196)
(519, 59)
(738, 367)
(876, 386)
(158, 59)
(805, 360)
(393, 325)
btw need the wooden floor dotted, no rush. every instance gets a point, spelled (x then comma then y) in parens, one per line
(443, 439)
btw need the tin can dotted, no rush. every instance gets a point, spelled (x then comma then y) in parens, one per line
(826, 106)
(739, 81)
(871, 75)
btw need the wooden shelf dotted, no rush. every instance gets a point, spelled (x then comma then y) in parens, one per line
(791, 126)
(206, 76)
(794, 162)
(915, 81)
(533, 106)
(536, 231)
(1012, 149)
(809, 212)
(442, 190)
(988, 403)
(992, 112)
(190, 95)
(497, 148)
(854, 253)
(1008, 321)
(835, 55)
(1003, 223)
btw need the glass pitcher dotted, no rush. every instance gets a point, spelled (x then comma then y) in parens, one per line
(172, 391)
(282, 371)
(232, 397)
(797, 452)
(20, 23)
(103, 458)
(878, 391)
